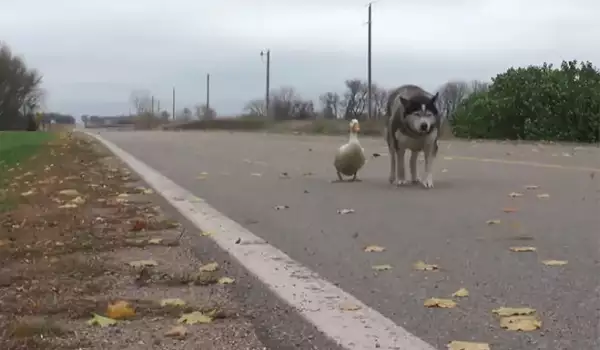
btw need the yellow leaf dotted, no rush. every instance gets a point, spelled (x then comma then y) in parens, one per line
(206, 233)
(71, 193)
(422, 266)
(515, 194)
(463, 292)
(441, 303)
(493, 222)
(523, 249)
(256, 174)
(172, 302)
(513, 311)
(120, 310)
(543, 196)
(28, 193)
(381, 267)
(374, 249)
(155, 241)
(210, 267)
(101, 321)
(226, 280)
(467, 345)
(532, 187)
(142, 263)
(555, 262)
(194, 317)
(349, 306)
(521, 323)
(176, 332)
(77, 200)
(68, 206)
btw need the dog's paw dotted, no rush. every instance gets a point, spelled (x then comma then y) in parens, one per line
(428, 181)
(402, 183)
(392, 178)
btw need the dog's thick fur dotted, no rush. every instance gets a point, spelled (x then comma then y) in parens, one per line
(413, 123)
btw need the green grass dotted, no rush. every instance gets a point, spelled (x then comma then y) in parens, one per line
(15, 147)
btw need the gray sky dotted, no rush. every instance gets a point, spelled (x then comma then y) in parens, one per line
(93, 53)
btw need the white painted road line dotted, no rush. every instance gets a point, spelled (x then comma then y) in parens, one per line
(316, 299)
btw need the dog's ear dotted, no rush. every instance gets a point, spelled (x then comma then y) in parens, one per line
(434, 98)
(405, 102)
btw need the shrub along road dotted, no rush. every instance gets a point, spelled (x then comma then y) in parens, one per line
(516, 225)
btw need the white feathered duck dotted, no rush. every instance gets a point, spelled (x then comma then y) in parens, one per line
(350, 157)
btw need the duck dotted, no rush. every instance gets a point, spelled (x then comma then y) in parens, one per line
(350, 157)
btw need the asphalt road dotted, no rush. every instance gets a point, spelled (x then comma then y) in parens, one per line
(445, 225)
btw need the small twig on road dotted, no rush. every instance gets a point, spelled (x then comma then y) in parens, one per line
(181, 235)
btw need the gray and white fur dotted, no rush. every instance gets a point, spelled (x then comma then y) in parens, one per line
(413, 123)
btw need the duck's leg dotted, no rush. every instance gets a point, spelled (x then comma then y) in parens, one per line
(340, 179)
(355, 179)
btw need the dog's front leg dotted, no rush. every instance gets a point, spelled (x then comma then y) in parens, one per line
(414, 156)
(429, 158)
(400, 168)
(393, 173)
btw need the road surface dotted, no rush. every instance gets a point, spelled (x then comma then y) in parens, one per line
(240, 174)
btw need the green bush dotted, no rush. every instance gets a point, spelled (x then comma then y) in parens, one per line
(535, 103)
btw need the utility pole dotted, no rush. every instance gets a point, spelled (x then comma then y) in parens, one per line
(267, 53)
(369, 87)
(152, 106)
(207, 92)
(158, 107)
(173, 115)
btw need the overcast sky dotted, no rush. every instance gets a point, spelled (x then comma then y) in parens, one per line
(94, 53)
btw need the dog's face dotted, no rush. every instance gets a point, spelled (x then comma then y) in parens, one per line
(420, 113)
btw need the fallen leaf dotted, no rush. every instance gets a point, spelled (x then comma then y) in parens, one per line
(461, 293)
(123, 195)
(120, 310)
(256, 174)
(28, 193)
(467, 345)
(69, 192)
(225, 280)
(77, 200)
(422, 266)
(384, 267)
(284, 175)
(345, 211)
(139, 225)
(101, 321)
(543, 196)
(374, 249)
(521, 323)
(531, 187)
(441, 303)
(510, 210)
(281, 207)
(172, 302)
(194, 317)
(155, 241)
(210, 267)
(515, 194)
(523, 249)
(349, 306)
(142, 263)
(195, 200)
(176, 332)
(68, 206)
(513, 311)
(555, 262)
(493, 222)
(448, 158)
(444, 170)
(206, 233)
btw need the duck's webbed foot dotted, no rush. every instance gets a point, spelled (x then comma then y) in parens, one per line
(355, 179)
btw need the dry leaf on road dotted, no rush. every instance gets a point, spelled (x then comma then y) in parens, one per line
(522, 249)
(422, 266)
(120, 310)
(461, 293)
(172, 302)
(345, 211)
(142, 263)
(225, 280)
(28, 193)
(176, 332)
(515, 194)
(467, 345)
(70, 192)
(543, 196)
(510, 210)
(349, 306)
(513, 311)
(555, 262)
(521, 323)
(384, 267)
(194, 317)
(155, 241)
(210, 267)
(374, 249)
(281, 207)
(256, 174)
(531, 187)
(493, 222)
(441, 303)
(206, 233)
(101, 321)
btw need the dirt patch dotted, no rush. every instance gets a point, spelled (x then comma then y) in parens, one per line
(82, 236)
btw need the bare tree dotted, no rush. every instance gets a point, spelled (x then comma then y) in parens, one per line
(354, 102)
(379, 101)
(141, 101)
(451, 95)
(331, 105)
(204, 113)
(255, 108)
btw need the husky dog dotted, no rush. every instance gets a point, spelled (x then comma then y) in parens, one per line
(413, 123)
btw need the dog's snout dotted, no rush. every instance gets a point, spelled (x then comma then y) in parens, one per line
(424, 126)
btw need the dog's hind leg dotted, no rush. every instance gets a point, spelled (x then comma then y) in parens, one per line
(430, 153)
(414, 156)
